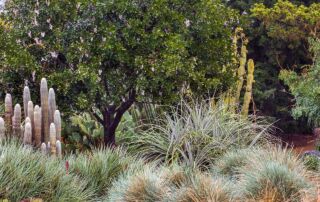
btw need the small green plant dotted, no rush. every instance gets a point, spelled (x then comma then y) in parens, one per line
(312, 162)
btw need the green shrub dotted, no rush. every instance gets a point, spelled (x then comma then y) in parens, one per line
(101, 167)
(25, 173)
(312, 163)
(196, 134)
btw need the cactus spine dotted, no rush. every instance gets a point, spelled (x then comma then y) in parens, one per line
(52, 105)
(16, 121)
(2, 129)
(44, 109)
(37, 125)
(27, 137)
(26, 99)
(57, 123)
(248, 93)
(53, 139)
(8, 112)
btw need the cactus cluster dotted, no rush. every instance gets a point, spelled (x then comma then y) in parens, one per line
(232, 99)
(42, 125)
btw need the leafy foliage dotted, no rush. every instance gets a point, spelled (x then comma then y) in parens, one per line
(305, 87)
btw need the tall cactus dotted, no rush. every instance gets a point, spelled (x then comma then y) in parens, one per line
(37, 125)
(8, 113)
(57, 123)
(2, 129)
(16, 121)
(248, 93)
(44, 109)
(27, 137)
(59, 149)
(53, 139)
(43, 148)
(31, 115)
(26, 99)
(242, 68)
(52, 105)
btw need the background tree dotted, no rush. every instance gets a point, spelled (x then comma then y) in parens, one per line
(102, 56)
(305, 87)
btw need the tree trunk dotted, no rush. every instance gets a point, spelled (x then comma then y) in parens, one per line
(109, 136)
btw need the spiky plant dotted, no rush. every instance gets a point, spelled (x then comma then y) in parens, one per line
(196, 134)
(101, 167)
(145, 185)
(25, 173)
(44, 110)
(16, 121)
(52, 105)
(8, 113)
(57, 123)
(37, 125)
(2, 129)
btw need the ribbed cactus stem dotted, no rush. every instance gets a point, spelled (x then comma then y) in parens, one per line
(44, 109)
(242, 69)
(44, 148)
(52, 105)
(31, 116)
(37, 125)
(57, 123)
(16, 121)
(2, 129)
(248, 93)
(27, 137)
(8, 113)
(27, 120)
(53, 139)
(59, 149)
(26, 99)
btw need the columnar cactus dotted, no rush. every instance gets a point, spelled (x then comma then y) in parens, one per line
(241, 69)
(44, 148)
(27, 137)
(248, 93)
(27, 120)
(16, 121)
(26, 99)
(8, 112)
(52, 105)
(57, 123)
(31, 115)
(44, 109)
(59, 149)
(2, 129)
(53, 139)
(37, 125)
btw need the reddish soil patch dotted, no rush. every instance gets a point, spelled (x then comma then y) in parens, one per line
(301, 143)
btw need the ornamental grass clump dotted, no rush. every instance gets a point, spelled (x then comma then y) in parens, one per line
(26, 174)
(268, 174)
(197, 134)
(101, 167)
(139, 185)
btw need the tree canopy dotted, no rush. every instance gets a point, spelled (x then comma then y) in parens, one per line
(105, 55)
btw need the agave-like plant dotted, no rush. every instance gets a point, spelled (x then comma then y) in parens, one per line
(196, 134)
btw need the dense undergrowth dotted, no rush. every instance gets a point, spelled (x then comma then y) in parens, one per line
(195, 154)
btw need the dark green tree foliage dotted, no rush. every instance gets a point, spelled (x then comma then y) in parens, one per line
(305, 87)
(106, 55)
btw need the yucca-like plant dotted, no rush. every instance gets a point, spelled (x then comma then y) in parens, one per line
(101, 167)
(197, 134)
(26, 174)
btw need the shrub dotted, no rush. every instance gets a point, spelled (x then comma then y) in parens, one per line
(197, 134)
(312, 162)
(101, 167)
(25, 173)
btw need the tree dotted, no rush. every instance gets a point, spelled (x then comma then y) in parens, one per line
(105, 55)
(305, 87)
